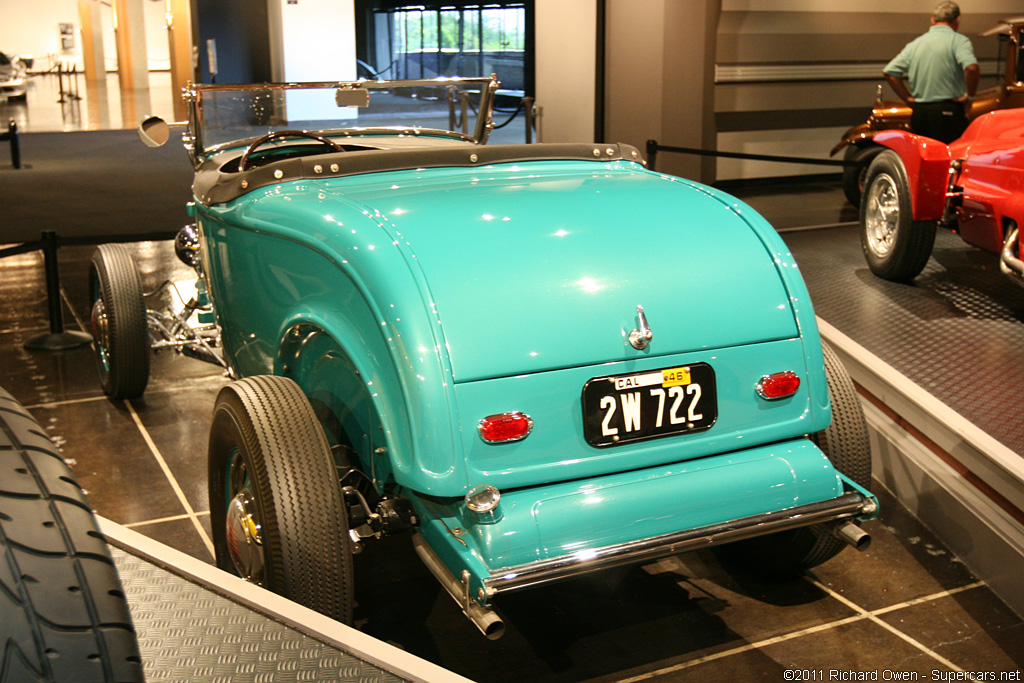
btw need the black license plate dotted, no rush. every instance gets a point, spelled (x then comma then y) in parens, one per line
(646, 405)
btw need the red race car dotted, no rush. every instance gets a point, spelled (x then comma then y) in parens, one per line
(974, 186)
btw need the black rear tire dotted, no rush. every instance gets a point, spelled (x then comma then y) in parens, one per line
(895, 246)
(279, 519)
(845, 441)
(855, 171)
(119, 327)
(64, 613)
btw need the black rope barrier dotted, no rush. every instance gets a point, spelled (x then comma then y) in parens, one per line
(511, 118)
(653, 148)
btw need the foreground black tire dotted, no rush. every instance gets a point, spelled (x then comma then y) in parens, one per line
(119, 327)
(846, 443)
(855, 172)
(895, 246)
(279, 519)
(63, 614)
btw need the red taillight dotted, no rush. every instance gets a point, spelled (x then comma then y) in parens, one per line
(778, 385)
(505, 427)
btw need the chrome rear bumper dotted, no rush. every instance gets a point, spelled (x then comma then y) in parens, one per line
(844, 508)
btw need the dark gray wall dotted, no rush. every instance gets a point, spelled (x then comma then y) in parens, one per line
(241, 30)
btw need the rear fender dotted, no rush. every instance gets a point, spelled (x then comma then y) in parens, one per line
(336, 386)
(856, 136)
(926, 162)
(313, 293)
(360, 402)
(803, 311)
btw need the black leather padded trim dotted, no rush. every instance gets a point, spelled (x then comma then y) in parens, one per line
(215, 186)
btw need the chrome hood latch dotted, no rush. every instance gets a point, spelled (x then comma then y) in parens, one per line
(640, 338)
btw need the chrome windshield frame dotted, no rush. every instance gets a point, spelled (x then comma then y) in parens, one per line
(193, 95)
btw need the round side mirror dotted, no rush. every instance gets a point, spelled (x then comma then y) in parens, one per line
(154, 131)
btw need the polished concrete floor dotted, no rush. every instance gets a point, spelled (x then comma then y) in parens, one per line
(66, 103)
(904, 609)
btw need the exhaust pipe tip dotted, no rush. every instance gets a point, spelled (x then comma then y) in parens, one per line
(485, 619)
(852, 534)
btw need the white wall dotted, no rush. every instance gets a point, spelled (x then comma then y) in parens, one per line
(313, 41)
(158, 49)
(566, 33)
(32, 27)
(318, 40)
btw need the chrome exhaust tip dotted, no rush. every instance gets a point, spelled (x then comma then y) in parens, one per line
(852, 534)
(482, 616)
(1010, 262)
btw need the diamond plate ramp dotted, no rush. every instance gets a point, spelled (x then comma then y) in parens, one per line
(189, 633)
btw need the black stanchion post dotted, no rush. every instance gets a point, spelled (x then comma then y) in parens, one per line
(60, 82)
(11, 135)
(12, 130)
(528, 104)
(58, 339)
(652, 153)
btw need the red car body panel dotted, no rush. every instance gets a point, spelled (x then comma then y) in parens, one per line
(927, 164)
(991, 175)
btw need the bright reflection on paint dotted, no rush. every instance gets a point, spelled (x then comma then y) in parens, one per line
(561, 233)
(398, 212)
(589, 285)
(487, 217)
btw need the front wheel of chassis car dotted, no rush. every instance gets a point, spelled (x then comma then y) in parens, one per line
(278, 516)
(895, 246)
(118, 318)
(845, 441)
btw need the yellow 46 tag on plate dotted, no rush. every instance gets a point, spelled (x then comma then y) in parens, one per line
(675, 377)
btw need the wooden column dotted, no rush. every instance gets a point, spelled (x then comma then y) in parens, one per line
(92, 41)
(130, 29)
(179, 34)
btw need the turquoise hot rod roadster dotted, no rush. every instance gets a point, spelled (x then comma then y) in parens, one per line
(537, 360)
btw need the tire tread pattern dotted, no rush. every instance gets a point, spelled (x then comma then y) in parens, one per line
(120, 286)
(308, 553)
(847, 445)
(64, 614)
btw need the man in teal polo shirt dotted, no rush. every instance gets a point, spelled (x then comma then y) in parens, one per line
(943, 74)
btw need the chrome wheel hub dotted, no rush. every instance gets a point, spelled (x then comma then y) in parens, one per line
(881, 215)
(100, 325)
(244, 537)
